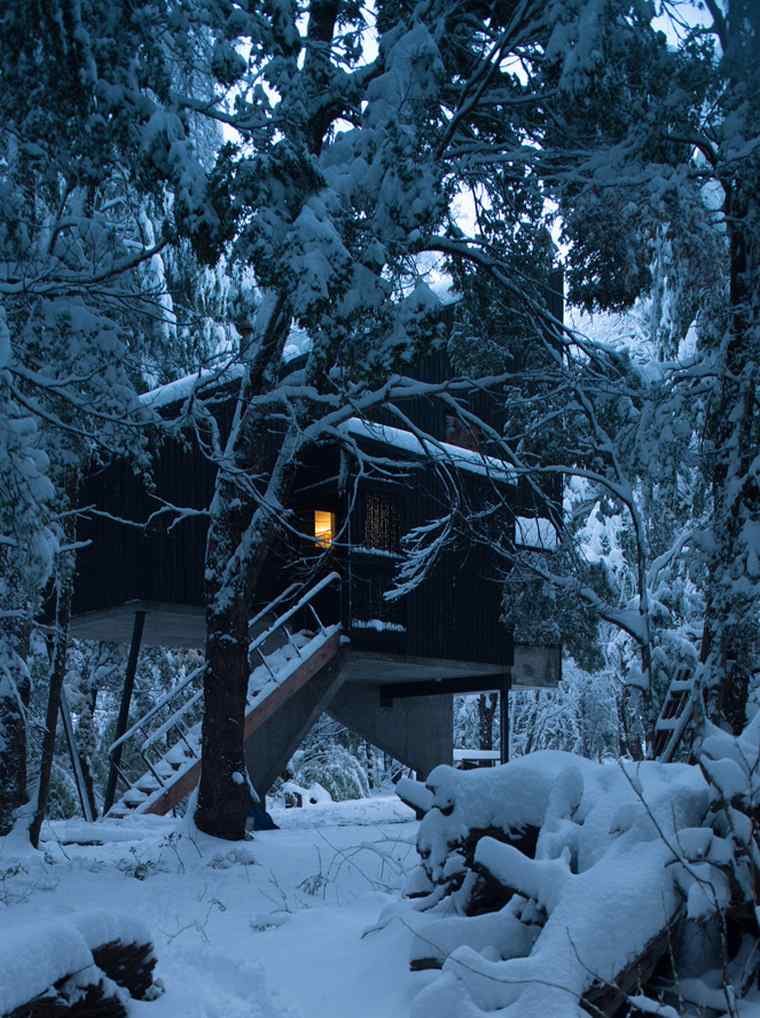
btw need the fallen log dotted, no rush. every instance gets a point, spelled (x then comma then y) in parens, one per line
(85, 966)
(487, 894)
(95, 1000)
(128, 965)
(609, 998)
(575, 856)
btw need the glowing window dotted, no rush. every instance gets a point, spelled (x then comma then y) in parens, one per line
(324, 527)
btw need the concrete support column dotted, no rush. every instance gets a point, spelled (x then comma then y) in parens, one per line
(417, 730)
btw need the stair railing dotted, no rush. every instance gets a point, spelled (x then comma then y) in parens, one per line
(287, 593)
(281, 623)
(278, 631)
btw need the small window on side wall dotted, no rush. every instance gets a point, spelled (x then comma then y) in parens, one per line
(382, 524)
(324, 527)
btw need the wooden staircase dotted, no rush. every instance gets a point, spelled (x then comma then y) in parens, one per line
(163, 749)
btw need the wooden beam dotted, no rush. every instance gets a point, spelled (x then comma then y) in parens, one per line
(440, 687)
(504, 716)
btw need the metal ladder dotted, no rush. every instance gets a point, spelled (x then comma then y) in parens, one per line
(167, 739)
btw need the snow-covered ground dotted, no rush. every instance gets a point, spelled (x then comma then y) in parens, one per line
(270, 928)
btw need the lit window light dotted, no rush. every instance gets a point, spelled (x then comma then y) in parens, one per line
(324, 527)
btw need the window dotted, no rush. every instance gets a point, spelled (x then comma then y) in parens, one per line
(324, 527)
(382, 525)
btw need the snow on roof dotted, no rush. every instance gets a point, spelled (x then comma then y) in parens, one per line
(182, 388)
(443, 452)
(454, 455)
(535, 532)
(298, 343)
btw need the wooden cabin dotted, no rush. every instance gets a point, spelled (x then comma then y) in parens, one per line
(401, 660)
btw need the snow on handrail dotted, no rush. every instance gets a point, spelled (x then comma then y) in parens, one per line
(307, 597)
(278, 600)
(168, 697)
(167, 726)
(284, 672)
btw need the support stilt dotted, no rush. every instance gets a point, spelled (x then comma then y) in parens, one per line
(126, 699)
(76, 763)
(506, 685)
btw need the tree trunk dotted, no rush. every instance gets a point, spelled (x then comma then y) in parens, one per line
(730, 635)
(15, 693)
(531, 726)
(369, 764)
(240, 536)
(64, 590)
(239, 539)
(223, 797)
(632, 727)
(487, 704)
(14, 680)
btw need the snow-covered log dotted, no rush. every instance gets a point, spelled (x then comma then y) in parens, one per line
(415, 795)
(86, 995)
(87, 965)
(506, 804)
(579, 915)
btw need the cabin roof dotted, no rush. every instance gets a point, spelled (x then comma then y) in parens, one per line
(296, 347)
(432, 449)
(182, 388)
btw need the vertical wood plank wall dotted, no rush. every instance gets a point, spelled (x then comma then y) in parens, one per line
(454, 614)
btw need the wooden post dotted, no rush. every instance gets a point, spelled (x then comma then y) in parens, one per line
(506, 685)
(126, 700)
(76, 762)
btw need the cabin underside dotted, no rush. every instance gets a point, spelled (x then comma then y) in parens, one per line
(401, 704)
(184, 627)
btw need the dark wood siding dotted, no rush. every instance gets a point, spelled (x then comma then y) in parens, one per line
(453, 614)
